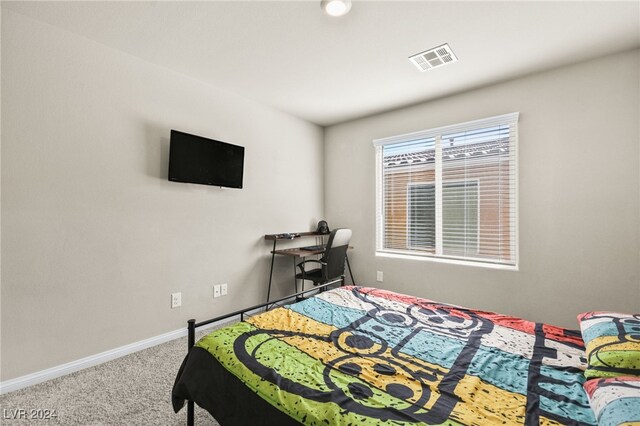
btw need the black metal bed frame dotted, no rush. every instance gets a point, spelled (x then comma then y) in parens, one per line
(192, 325)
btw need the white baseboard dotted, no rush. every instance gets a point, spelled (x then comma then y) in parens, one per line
(71, 367)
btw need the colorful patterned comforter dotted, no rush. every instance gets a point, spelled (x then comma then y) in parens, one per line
(364, 356)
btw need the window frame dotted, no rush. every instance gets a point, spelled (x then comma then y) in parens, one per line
(510, 119)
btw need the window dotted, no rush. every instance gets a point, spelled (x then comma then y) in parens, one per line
(450, 192)
(460, 217)
(421, 208)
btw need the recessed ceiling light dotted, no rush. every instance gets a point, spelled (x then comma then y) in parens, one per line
(433, 58)
(336, 7)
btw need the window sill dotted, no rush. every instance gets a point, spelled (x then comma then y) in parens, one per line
(487, 265)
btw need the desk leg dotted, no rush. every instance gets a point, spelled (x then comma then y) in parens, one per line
(273, 256)
(295, 280)
(350, 273)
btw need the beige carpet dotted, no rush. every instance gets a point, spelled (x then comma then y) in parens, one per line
(132, 390)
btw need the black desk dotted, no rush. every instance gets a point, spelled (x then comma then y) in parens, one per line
(294, 252)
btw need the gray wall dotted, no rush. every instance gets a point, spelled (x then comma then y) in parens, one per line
(94, 237)
(579, 189)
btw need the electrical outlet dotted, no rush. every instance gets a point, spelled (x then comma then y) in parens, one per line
(223, 289)
(379, 276)
(216, 290)
(176, 300)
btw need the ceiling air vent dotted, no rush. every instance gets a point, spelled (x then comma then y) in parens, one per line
(433, 58)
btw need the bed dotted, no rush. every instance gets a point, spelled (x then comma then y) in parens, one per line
(364, 356)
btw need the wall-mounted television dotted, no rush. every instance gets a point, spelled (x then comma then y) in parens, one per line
(195, 159)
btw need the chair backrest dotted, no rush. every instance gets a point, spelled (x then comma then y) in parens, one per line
(336, 253)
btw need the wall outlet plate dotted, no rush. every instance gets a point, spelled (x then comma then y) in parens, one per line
(223, 289)
(176, 300)
(379, 276)
(216, 290)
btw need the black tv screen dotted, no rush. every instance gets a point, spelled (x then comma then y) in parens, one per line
(194, 159)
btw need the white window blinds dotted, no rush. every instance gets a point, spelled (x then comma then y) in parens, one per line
(450, 192)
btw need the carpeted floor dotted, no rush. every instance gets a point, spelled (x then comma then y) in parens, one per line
(132, 390)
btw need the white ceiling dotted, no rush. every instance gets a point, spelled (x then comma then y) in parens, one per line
(327, 70)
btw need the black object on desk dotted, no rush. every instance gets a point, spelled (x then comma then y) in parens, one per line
(295, 252)
(314, 248)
